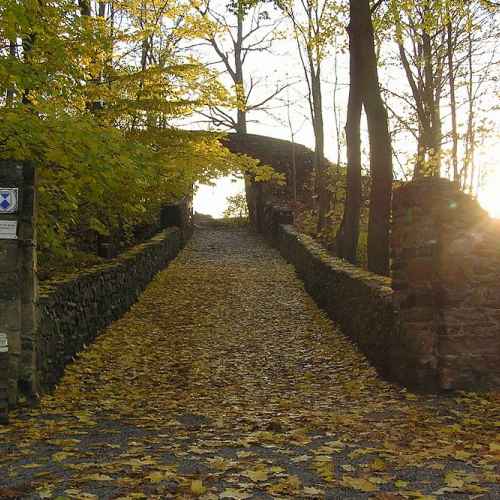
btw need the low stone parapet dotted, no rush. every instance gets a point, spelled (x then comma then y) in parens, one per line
(360, 302)
(435, 324)
(74, 309)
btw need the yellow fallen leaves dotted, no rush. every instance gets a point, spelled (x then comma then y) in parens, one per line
(290, 485)
(358, 483)
(310, 491)
(97, 477)
(324, 469)
(495, 447)
(256, 475)
(235, 494)
(74, 493)
(197, 487)
(225, 381)
(60, 456)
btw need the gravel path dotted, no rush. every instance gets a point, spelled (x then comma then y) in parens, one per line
(226, 381)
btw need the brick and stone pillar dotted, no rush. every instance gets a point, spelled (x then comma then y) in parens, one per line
(414, 246)
(445, 271)
(18, 282)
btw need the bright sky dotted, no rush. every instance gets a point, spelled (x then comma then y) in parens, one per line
(489, 196)
(211, 200)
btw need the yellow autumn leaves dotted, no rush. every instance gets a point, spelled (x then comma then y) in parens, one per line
(225, 381)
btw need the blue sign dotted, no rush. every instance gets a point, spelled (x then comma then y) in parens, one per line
(8, 200)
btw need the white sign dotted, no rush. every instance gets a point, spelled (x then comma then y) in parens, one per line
(8, 229)
(8, 200)
(4, 343)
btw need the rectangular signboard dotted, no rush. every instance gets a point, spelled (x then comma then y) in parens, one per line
(9, 200)
(4, 343)
(8, 229)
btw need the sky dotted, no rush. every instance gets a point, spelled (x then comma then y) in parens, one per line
(211, 200)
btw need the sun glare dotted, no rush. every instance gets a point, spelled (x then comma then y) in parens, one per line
(212, 200)
(489, 197)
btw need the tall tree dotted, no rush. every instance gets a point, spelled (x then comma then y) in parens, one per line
(250, 30)
(380, 145)
(314, 23)
(348, 233)
(364, 86)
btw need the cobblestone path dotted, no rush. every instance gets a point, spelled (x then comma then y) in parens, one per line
(226, 381)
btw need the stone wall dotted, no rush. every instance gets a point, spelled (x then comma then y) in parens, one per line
(74, 309)
(436, 324)
(280, 154)
(360, 302)
(446, 270)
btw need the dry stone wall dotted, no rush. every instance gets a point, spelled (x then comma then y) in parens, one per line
(359, 301)
(74, 309)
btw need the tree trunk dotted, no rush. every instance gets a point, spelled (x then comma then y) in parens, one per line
(419, 169)
(84, 7)
(470, 139)
(453, 101)
(335, 110)
(241, 118)
(433, 132)
(348, 234)
(9, 97)
(319, 150)
(380, 146)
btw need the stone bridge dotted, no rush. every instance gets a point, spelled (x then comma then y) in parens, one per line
(256, 365)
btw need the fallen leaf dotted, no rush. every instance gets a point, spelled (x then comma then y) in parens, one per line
(197, 487)
(358, 483)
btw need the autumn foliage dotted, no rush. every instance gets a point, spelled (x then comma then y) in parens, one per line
(99, 120)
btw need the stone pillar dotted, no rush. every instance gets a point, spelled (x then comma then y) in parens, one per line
(274, 216)
(4, 378)
(179, 214)
(469, 296)
(17, 275)
(28, 380)
(445, 270)
(414, 246)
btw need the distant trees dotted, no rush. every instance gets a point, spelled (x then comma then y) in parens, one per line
(447, 51)
(314, 23)
(236, 207)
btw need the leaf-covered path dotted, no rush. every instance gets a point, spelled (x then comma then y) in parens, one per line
(226, 381)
